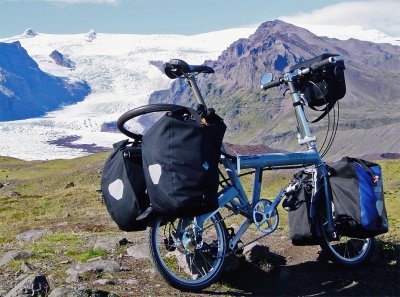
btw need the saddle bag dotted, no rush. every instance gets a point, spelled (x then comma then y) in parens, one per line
(357, 193)
(123, 186)
(181, 152)
(301, 228)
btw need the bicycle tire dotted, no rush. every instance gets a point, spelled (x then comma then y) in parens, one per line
(344, 250)
(142, 110)
(175, 280)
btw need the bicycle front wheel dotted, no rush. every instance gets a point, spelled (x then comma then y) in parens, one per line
(186, 261)
(343, 250)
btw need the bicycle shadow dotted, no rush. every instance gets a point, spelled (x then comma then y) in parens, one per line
(315, 278)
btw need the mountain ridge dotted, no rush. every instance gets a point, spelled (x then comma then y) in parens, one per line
(26, 91)
(372, 100)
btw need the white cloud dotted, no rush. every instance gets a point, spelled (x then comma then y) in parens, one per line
(381, 15)
(113, 2)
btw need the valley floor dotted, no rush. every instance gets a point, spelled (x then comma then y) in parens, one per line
(57, 202)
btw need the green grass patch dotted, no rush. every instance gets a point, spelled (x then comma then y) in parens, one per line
(92, 253)
(63, 238)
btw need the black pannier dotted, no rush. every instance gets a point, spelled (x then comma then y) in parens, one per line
(301, 228)
(324, 86)
(181, 152)
(123, 186)
(357, 193)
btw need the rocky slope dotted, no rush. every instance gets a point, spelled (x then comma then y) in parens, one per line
(369, 113)
(26, 91)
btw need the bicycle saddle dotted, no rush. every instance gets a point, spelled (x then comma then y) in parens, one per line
(178, 68)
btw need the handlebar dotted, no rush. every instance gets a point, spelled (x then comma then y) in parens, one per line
(299, 73)
(273, 83)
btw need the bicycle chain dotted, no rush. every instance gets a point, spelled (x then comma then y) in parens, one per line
(244, 245)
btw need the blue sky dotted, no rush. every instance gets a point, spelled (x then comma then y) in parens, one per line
(187, 16)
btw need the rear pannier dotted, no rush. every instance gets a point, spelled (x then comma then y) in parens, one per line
(123, 186)
(181, 153)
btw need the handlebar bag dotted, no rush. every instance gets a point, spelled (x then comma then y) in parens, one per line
(357, 193)
(325, 85)
(181, 152)
(301, 228)
(123, 186)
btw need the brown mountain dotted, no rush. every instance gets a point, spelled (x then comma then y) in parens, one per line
(369, 113)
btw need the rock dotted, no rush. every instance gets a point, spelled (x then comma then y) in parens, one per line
(31, 235)
(70, 185)
(104, 282)
(67, 291)
(131, 282)
(124, 241)
(10, 194)
(73, 279)
(1, 185)
(15, 255)
(62, 60)
(90, 36)
(29, 33)
(96, 266)
(138, 251)
(31, 286)
(108, 243)
(27, 267)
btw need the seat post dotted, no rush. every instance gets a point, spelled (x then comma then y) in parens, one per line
(191, 80)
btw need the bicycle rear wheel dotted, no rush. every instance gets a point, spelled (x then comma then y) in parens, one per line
(341, 249)
(183, 260)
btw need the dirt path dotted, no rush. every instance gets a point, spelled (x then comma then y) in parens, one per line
(287, 271)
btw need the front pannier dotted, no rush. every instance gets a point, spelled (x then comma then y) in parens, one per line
(324, 86)
(357, 193)
(123, 186)
(181, 152)
(301, 227)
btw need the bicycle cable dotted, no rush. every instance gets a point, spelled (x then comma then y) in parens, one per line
(335, 128)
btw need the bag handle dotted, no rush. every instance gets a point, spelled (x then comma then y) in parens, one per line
(365, 167)
(193, 113)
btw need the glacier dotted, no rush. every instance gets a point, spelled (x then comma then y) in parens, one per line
(120, 71)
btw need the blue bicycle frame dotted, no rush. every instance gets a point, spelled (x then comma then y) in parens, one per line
(310, 157)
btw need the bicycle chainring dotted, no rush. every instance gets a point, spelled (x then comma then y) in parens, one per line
(264, 222)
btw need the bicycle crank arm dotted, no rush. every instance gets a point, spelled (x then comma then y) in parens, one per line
(275, 203)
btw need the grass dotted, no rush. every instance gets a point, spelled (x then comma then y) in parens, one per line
(92, 253)
(76, 215)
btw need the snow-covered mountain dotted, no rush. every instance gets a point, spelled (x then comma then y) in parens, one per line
(122, 72)
(26, 91)
(121, 75)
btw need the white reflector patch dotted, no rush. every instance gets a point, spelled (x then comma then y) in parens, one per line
(116, 189)
(155, 173)
(379, 207)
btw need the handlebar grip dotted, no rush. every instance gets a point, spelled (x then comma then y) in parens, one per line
(272, 84)
(325, 62)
